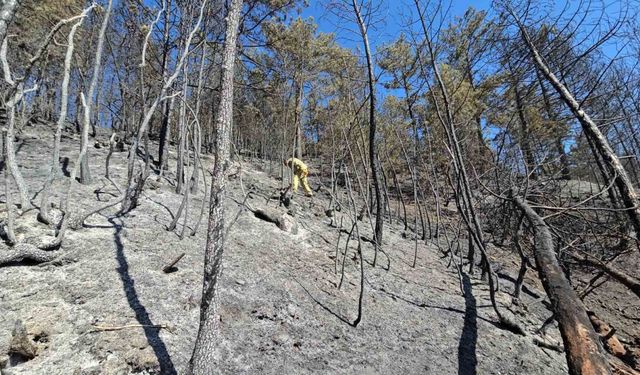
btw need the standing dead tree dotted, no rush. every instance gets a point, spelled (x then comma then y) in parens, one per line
(163, 142)
(15, 94)
(9, 141)
(601, 145)
(54, 170)
(464, 199)
(584, 351)
(191, 135)
(203, 360)
(373, 154)
(85, 175)
(40, 252)
(353, 216)
(11, 236)
(136, 179)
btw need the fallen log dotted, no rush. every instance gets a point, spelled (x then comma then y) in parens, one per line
(584, 351)
(623, 278)
(25, 251)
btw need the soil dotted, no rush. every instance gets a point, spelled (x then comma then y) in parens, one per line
(281, 309)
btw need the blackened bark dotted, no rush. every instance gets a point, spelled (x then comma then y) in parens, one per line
(525, 135)
(584, 351)
(559, 144)
(373, 154)
(163, 146)
(601, 144)
(298, 120)
(619, 275)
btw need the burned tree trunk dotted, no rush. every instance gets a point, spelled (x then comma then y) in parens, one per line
(11, 237)
(297, 120)
(373, 154)
(525, 134)
(601, 144)
(64, 101)
(559, 144)
(10, 159)
(584, 351)
(85, 175)
(163, 144)
(197, 132)
(203, 360)
(622, 277)
(16, 95)
(464, 201)
(136, 179)
(398, 188)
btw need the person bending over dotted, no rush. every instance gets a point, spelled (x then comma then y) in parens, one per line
(300, 173)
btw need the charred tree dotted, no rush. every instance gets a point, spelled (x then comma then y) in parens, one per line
(625, 187)
(373, 154)
(203, 360)
(85, 175)
(584, 351)
(54, 170)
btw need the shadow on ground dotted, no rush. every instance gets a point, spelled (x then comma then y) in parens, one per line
(467, 360)
(142, 316)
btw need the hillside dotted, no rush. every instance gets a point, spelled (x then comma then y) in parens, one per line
(281, 309)
(474, 205)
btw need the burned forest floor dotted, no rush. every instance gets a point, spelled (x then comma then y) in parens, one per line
(105, 306)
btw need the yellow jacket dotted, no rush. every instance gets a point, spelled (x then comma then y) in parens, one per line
(299, 168)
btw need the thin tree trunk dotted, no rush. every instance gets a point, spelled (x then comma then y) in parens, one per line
(112, 144)
(163, 144)
(355, 223)
(466, 205)
(11, 163)
(203, 360)
(298, 119)
(96, 111)
(134, 187)
(564, 159)
(197, 135)
(85, 175)
(165, 135)
(525, 136)
(16, 95)
(182, 135)
(524, 260)
(632, 283)
(64, 102)
(373, 154)
(7, 191)
(623, 182)
(398, 188)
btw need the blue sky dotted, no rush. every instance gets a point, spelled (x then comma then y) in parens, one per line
(392, 14)
(390, 22)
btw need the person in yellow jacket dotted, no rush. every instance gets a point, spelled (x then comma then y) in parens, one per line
(300, 173)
